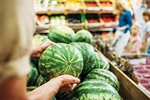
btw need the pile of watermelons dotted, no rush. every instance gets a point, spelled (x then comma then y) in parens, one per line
(73, 54)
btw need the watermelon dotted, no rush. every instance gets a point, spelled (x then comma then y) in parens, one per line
(31, 88)
(104, 75)
(60, 59)
(32, 76)
(39, 39)
(94, 90)
(87, 52)
(40, 81)
(35, 61)
(61, 34)
(62, 95)
(84, 36)
(101, 62)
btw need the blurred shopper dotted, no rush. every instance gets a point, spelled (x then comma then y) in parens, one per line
(122, 33)
(135, 41)
(16, 31)
(145, 31)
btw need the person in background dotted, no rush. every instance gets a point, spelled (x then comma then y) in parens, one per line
(17, 26)
(145, 31)
(122, 32)
(135, 41)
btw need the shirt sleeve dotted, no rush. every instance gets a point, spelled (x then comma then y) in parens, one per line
(129, 20)
(148, 27)
(16, 30)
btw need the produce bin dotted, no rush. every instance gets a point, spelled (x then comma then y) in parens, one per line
(74, 21)
(128, 89)
(91, 7)
(92, 21)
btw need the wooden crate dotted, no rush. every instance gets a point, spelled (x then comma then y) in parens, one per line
(128, 89)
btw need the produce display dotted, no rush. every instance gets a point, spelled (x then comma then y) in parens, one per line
(91, 4)
(104, 75)
(42, 20)
(143, 72)
(122, 63)
(57, 20)
(61, 34)
(57, 5)
(60, 59)
(74, 10)
(87, 52)
(94, 90)
(107, 18)
(92, 18)
(106, 4)
(39, 39)
(74, 19)
(73, 4)
(33, 75)
(101, 61)
(77, 59)
(84, 36)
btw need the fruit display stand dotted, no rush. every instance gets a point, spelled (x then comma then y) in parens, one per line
(88, 8)
(141, 65)
(129, 90)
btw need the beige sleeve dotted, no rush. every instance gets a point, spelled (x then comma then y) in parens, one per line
(17, 26)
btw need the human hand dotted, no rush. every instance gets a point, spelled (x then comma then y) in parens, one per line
(37, 51)
(68, 82)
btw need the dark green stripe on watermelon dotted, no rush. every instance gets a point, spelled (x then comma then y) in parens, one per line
(60, 59)
(33, 75)
(35, 61)
(94, 90)
(104, 75)
(61, 34)
(101, 61)
(62, 95)
(87, 52)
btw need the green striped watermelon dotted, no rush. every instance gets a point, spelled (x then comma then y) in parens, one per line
(94, 90)
(101, 61)
(87, 52)
(104, 75)
(39, 39)
(84, 36)
(60, 59)
(61, 34)
(33, 75)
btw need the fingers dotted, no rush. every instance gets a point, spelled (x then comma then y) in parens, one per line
(76, 80)
(73, 86)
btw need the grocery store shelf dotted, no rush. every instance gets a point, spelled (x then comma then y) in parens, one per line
(90, 26)
(44, 27)
(43, 31)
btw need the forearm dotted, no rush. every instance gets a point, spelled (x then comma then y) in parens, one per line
(46, 91)
(13, 89)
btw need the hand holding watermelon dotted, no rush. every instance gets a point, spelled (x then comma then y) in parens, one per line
(68, 82)
(48, 90)
(37, 51)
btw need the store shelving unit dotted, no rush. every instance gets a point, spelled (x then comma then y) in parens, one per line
(91, 9)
